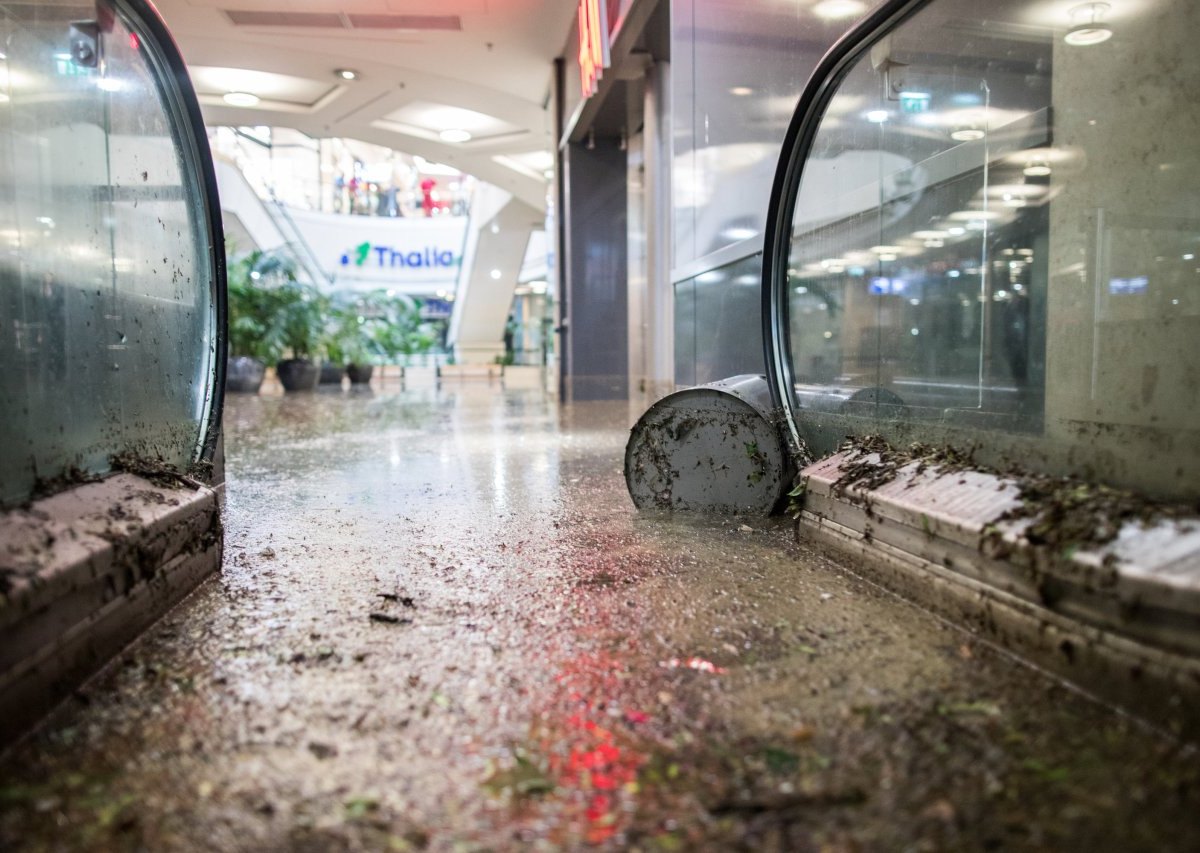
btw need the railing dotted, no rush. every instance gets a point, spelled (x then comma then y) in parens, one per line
(297, 246)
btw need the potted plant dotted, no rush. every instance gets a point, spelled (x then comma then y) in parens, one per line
(253, 342)
(331, 368)
(352, 339)
(400, 330)
(299, 321)
(355, 346)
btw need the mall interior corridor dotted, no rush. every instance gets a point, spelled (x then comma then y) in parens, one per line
(442, 625)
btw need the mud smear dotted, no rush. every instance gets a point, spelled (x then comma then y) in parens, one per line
(1065, 513)
(564, 673)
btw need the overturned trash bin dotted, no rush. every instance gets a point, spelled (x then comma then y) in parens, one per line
(713, 448)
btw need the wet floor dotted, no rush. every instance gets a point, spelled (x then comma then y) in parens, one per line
(441, 625)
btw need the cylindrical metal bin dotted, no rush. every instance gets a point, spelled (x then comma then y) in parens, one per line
(712, 448)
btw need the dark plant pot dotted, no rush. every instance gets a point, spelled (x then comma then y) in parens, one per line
(360, 374)
(244, 375)
(331, 374)
(298, 374)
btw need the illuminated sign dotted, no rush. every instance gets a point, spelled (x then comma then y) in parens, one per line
(387, 256)
(881, 286)
(1125, 286)
(593, 44)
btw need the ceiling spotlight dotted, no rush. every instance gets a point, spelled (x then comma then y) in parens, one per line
(345, 73)
(241, 99)
(455, 135)
(836, 10)
(1088, 26)
(967, 134)
(1037, 169)
(877, 116)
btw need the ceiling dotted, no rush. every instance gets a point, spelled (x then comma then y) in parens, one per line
(425, 66)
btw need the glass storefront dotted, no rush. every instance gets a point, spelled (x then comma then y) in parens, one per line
(989, 238)
(110, 270)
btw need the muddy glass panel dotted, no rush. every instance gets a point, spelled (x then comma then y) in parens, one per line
(995, 242)
(106, 304)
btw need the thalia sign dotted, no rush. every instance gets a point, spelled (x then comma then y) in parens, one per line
(415, 255)
(388, 257)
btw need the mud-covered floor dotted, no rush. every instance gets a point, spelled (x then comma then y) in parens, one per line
(441, 625)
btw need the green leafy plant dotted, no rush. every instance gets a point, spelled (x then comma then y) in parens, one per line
(252, 332)
(347, 333)
(400, 329)
(362, 328)
(300, 318)
(271, 312)
(795, 504)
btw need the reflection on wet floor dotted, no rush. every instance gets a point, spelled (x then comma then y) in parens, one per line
(441, 625)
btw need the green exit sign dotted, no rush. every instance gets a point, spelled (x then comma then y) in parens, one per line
(914, 102)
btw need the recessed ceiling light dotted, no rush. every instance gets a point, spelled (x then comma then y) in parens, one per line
(1037, 169)
(972, 215)
(109, 84)
(241, 99)
(345, 73)
(1088, 28)
(496, 274)
(833, 10)
(741, 91)
(455, 135)
(877, 116)
(967, 134)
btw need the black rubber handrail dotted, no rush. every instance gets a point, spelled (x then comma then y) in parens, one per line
(797, 143)
(187, 122)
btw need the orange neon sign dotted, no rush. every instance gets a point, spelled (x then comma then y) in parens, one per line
(593, 44)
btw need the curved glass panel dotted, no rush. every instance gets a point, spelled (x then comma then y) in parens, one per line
(994, 243)
(107, 297)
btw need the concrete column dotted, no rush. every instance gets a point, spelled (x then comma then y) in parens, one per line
(1123, 314)
(659, 315)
